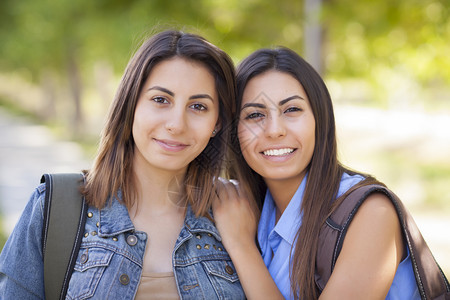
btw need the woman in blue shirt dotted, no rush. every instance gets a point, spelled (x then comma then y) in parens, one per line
(286, 157)
(148, 232)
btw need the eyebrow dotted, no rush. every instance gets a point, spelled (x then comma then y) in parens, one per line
(281, 103)
(159, 88)
(169, 92)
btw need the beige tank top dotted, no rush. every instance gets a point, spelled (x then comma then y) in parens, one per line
(157, 286)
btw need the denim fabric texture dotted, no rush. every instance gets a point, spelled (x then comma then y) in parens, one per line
(109, 263)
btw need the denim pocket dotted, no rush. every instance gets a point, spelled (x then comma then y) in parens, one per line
(223, 277)
(221, 268)
(89, 269)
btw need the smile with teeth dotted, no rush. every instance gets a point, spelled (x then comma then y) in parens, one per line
(278, 152)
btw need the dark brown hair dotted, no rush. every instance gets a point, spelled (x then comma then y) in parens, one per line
(324, 169)
(113, 170)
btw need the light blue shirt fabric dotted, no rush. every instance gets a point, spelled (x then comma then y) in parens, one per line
(279, 240)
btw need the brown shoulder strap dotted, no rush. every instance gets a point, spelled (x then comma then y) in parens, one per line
(431, 281)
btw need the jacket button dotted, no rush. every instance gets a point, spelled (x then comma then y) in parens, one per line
(90, 215)
(229, 270)
(124, 279)
(198, 247)
(207, 246)
(132, 240)
(84, 258)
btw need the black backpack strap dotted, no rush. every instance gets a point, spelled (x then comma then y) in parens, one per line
(430, 279)
(62, 232)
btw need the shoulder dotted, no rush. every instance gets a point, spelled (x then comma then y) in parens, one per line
(24, 248)
(36, 203)
(372, 249)
(375, 220)
(377, 208)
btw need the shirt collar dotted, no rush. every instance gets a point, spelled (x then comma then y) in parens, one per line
(289, 222)
(291, 219)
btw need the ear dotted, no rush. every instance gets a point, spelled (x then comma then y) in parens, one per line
(216, 128)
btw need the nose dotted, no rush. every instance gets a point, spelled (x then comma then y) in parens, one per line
(176, 120)
(274, 127)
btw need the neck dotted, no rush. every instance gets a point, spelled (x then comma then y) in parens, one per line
(158, 191)
(282, 192)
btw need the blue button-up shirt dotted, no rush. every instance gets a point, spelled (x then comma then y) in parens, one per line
(277, 240)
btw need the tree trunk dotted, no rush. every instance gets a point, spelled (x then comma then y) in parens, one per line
(313, 34)
(75, 88)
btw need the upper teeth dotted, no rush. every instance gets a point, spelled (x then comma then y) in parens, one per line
(274, 152)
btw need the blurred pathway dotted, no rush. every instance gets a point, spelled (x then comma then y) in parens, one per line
(26, 152)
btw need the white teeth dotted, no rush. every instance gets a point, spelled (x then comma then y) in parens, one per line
(278, 152)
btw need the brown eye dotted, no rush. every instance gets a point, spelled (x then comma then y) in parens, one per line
(199, 107)
(255, 115)
(160, 100)
(293, 109)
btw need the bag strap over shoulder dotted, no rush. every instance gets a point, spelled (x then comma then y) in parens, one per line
(431, 281)
(64, 221)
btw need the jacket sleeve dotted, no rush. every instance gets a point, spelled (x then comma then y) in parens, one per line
(21, 260)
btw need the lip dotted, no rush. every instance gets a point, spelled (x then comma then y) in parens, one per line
(171, 145)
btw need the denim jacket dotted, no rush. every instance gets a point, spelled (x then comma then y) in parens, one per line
(109, 263)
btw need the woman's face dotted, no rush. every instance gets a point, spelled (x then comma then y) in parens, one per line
(175, 115)
(276, 127)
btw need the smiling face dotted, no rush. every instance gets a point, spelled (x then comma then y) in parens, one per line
(175, 116)
(276, 127)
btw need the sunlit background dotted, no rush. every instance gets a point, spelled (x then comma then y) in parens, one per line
(386, 63)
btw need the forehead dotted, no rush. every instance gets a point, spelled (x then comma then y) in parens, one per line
(180, 66)
(272, 86)
(178, 74)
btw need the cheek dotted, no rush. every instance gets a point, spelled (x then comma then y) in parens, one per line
(248, 135)
(203, 129)
(310, 138)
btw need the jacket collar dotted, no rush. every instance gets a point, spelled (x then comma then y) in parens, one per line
(115, 219)
(200, 224)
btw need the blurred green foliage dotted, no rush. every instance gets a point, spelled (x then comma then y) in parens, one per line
(410, 36)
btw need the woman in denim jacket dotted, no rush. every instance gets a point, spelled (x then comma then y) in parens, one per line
(148, 233)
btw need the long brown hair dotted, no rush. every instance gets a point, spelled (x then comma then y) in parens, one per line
(324, 169)
(112, 170)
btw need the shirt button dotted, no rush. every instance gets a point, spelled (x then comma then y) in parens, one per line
(132, 240)
(124, 279)
(229, 270)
